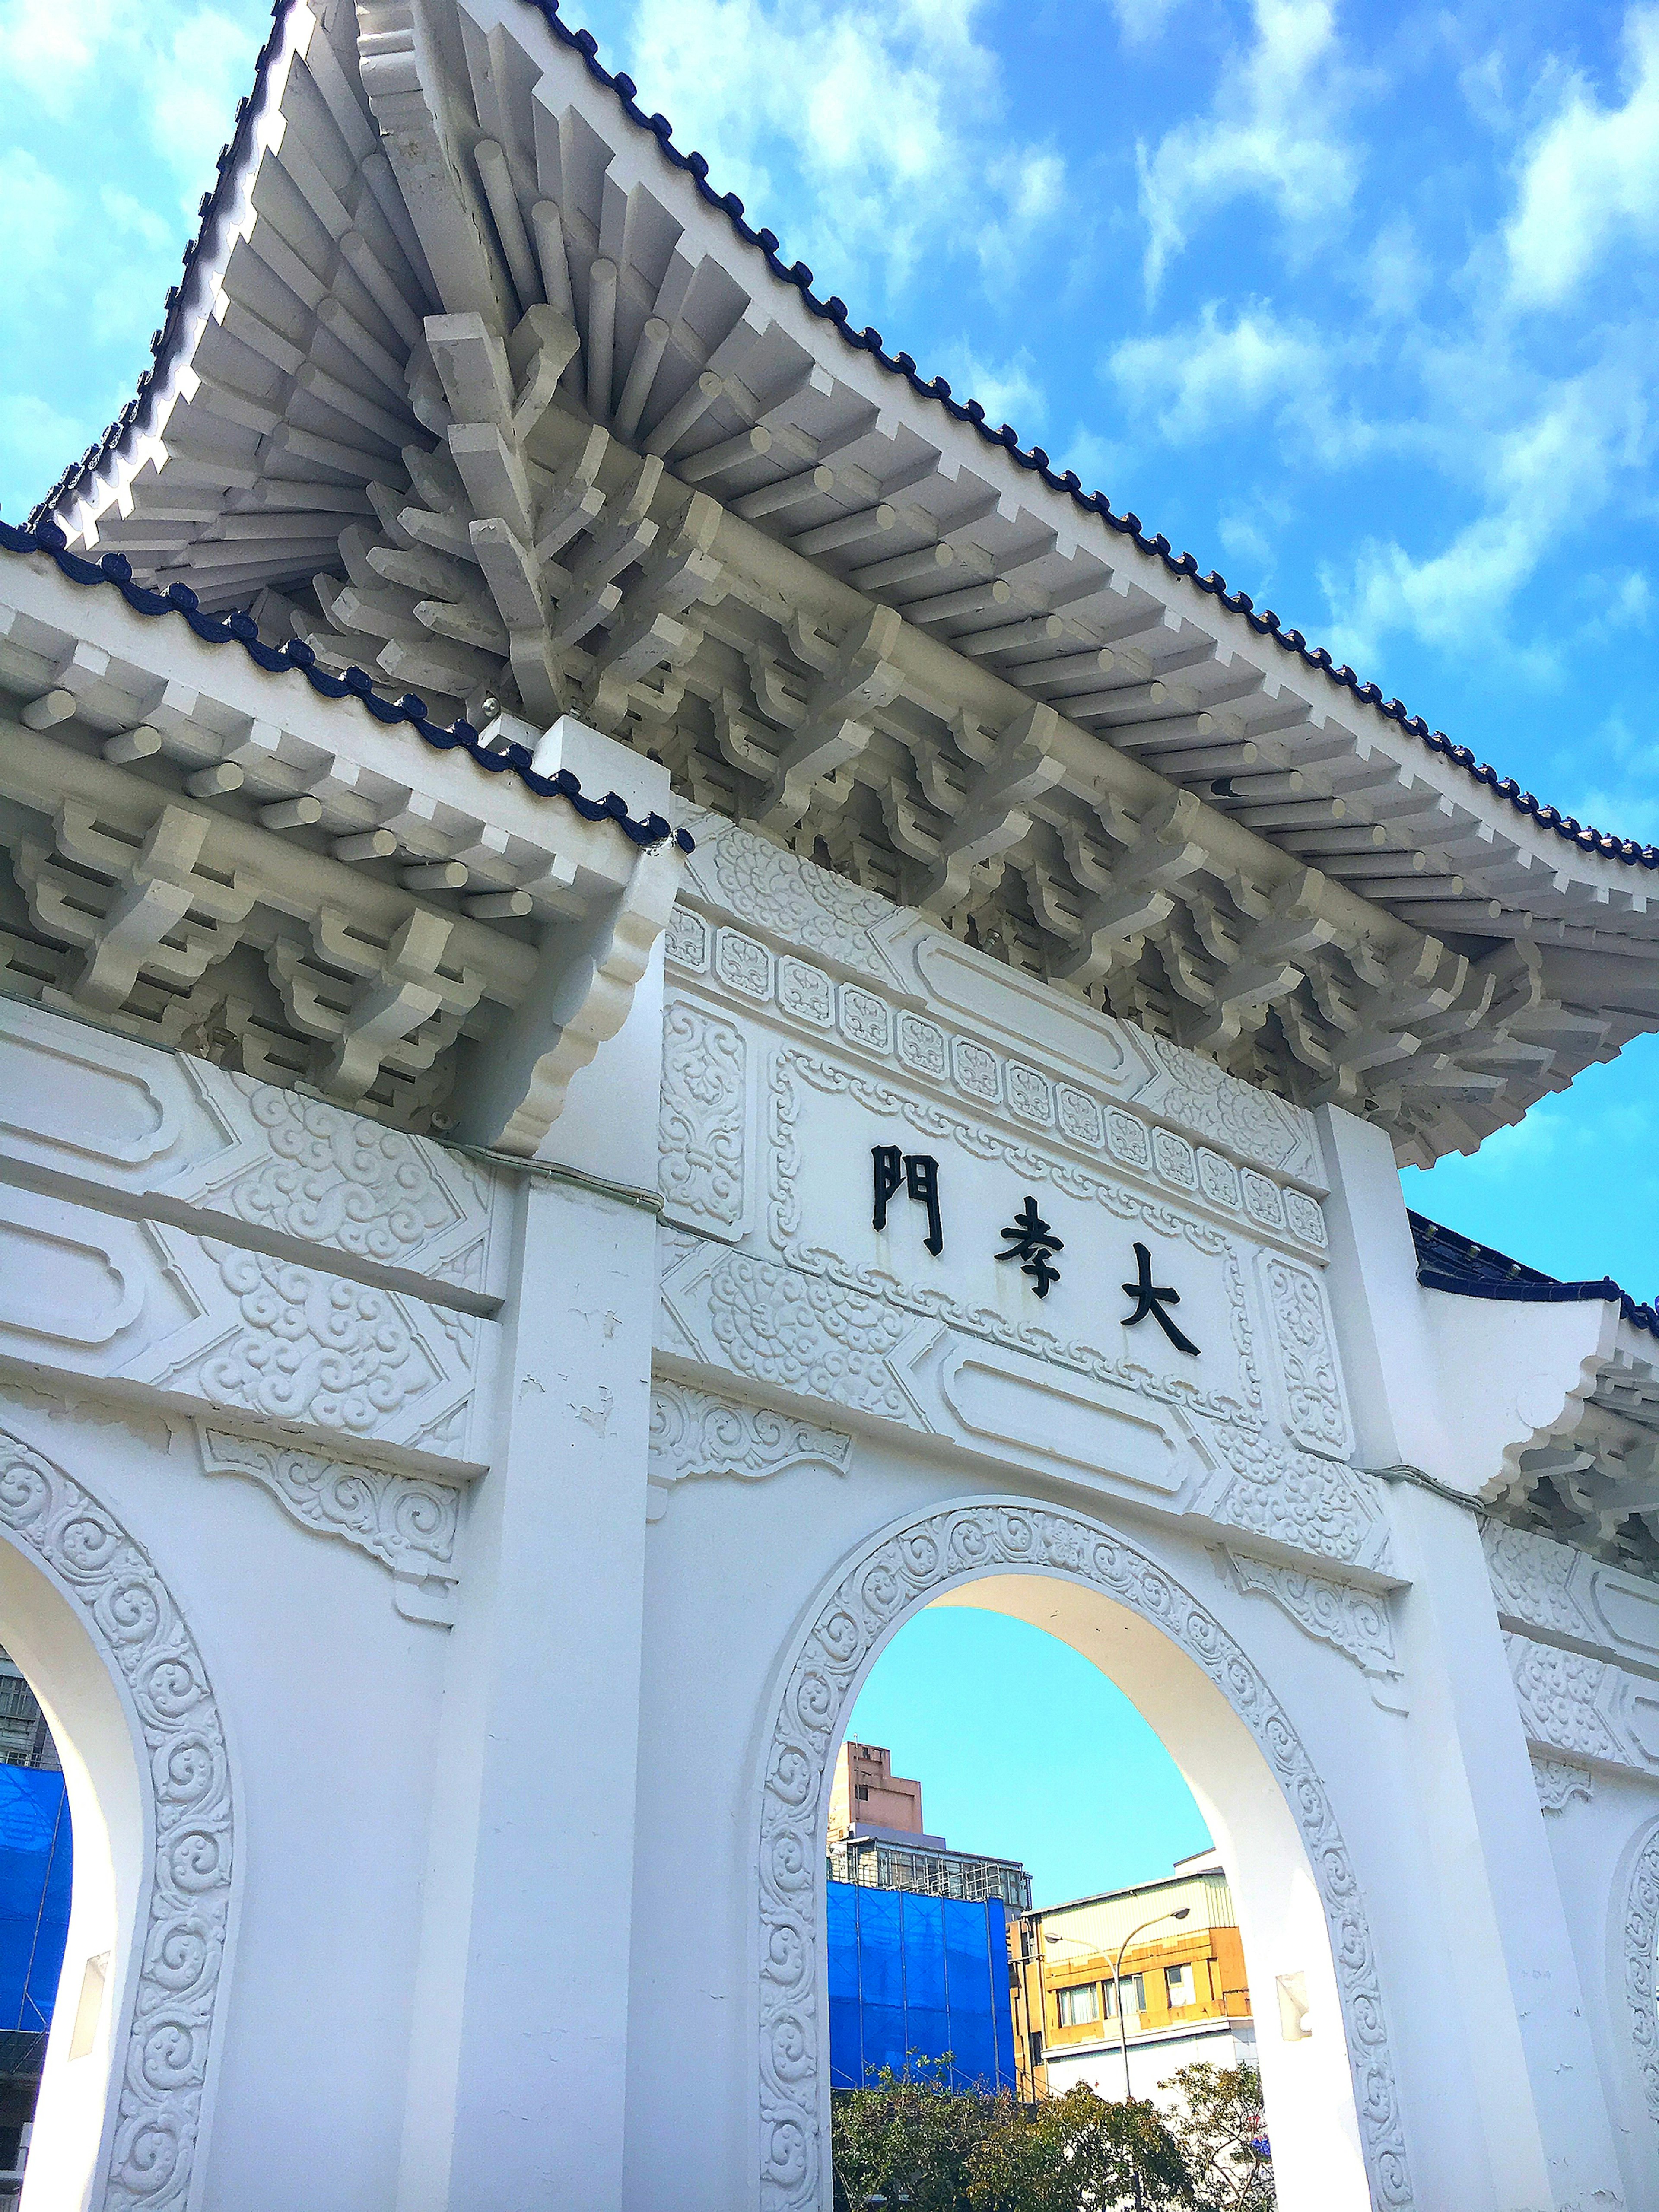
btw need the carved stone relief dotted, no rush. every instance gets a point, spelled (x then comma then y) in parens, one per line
(1315, 1414)
(179, 1942)
(1586, 1708)
(166, 1127)
(1558, 1782)
(269, 1344)
(880, 1588)
(407, 1524)
(704, 1114)
(1641, 1933)
(1355, 1622)
(696, 1434)
(983, 1077)
(768, 886)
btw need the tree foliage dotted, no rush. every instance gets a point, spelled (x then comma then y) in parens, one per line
(1219, 2127)
(912, 2141)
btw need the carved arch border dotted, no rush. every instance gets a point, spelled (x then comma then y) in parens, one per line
(182, 1926)
(1641, 1941)
(891, 1576)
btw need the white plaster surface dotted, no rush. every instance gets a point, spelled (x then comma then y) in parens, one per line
(680, 1480)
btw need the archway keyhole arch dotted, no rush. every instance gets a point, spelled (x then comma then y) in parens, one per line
(120, 2124)
(1334, 2103)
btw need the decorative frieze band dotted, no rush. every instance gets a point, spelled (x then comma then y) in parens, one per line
(993, 1082)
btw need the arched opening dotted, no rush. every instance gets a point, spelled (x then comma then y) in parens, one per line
(50, 1643)
(1329, 2083)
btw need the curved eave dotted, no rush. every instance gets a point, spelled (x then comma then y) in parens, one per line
(251, 446)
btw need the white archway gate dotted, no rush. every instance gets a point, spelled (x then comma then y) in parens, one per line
(170, 1989)
(892, 1577)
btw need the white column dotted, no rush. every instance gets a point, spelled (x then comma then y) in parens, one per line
(1492, 1948)
(518, 2049)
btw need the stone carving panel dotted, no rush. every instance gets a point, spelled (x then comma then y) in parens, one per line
(705, 1110)
(878, 1590)
(987, 1079)
(290, 1345)
(1584, 1708)
(1300, 1499)
(1641, 1933)
(1355, 1622)
(747, 876)
(797, 1333)
(178, 1946)
(1315, 1414)
(694, 1433)
(1250, 1122)
(1558, 1782)
(239, 1151)
(407, 1524)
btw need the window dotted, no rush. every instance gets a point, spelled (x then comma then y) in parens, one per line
(1078, 2005)
(1178, 1985)
(862, 1791)
(1134, 1994)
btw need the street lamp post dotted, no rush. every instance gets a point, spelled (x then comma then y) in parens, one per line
(1180, 1913)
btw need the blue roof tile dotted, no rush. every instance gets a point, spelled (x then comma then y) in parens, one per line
(296, 658)
(1449, 1261)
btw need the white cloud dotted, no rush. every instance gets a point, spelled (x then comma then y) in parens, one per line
(1273, 133)
(1207, 378)
(35, 441)
(35, 212)
(1141, 21)
(1008, 390)
(1591, 175)
(48, 46)
(1545, 474)
(862, 131)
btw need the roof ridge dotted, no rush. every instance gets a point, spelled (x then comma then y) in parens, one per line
(296, 656)
(1035, 458)
(1446, 1259)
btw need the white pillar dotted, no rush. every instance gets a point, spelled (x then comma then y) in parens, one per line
(518, 2049)
(1491, 1947)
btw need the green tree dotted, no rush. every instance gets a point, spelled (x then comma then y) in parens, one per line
(1078, 2154)
(910, 2139)
(1223, 2137)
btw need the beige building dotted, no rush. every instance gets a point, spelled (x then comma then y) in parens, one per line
(1181, 1980)
(867, 1794)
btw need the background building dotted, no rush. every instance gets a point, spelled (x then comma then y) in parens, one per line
(1185, 1996)
(923, 1940)
(35, 1870)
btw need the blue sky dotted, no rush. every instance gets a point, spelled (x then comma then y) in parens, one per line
(1359, 302)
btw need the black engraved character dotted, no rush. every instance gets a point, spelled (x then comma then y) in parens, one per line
(919, 1172)
(1034, 1245)
(1149, 1299)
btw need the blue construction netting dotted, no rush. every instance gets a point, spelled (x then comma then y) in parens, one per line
(915, 1977)
(36, 1868)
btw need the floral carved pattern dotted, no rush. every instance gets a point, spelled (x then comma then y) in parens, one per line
(694, 1433)
(1641, 1941)
(1354, 1622)
(888, 1582)
(313, 1347)
(704, 1093)
(802, 904)
(333, 1177)
(407, 1523)
(1313, 1395)
(1558, 1782)
(179, 1939)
